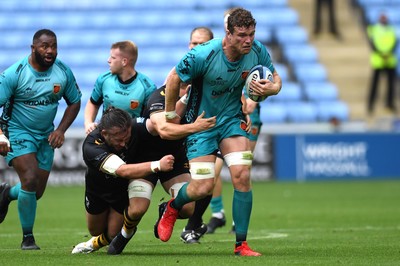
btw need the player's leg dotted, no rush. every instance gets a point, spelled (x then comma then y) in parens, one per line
(104, 216)
(202, 172)
(98, 227)
(238, 157)
(194, 230)
(217, 208)
(7, 194)
(139, 192)
(173, 185)
(29, 174)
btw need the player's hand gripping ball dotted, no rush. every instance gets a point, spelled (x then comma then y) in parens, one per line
(256, 73)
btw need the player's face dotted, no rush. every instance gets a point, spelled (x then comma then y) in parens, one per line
(117, 138)
(116, 61)
(242, 39)
(44, 51)
(198, 37)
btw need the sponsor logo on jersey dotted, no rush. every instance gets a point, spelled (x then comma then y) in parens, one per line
(218, 82)
(216, 94)
(29, 92)
(41, 102)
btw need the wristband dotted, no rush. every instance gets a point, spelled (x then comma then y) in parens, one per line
(171, 114)
(184, 99)
(155, 166)
(3, 138)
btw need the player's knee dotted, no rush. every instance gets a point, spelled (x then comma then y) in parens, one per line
(136, 211)
(199, 188)
(140, 189)
(174, 189)
(239, 158)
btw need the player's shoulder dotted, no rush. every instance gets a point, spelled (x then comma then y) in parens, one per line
(258, 47)
(17, 67)
(105, 75)
(156, 101)
(62, 65)
(146, 81)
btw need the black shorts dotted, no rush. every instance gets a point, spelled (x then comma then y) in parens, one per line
(96, 204)
(181, 166)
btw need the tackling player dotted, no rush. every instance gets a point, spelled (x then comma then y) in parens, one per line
(105, 152)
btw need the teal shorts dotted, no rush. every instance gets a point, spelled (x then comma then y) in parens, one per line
(207, 142)
(24, 143)
(254, 132)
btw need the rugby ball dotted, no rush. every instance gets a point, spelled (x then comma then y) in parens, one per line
(256, 73)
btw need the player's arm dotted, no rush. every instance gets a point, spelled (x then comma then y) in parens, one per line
(172, 131)
(91, 111)
(56, 138)
(115, 166)
(171, 95)
(246, 113)
(250, 106)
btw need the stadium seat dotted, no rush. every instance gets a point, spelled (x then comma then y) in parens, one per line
(304, 53)
(302, 112)
(275, 17)
(320, 91)
(290, 92)
(291, 34)
(272, 112)
(310, 72)
(328, 110)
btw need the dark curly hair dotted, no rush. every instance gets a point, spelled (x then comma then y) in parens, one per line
(115, 117)
(240, 17)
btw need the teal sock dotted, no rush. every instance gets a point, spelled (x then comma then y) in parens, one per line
(241, 211)
(182, 198)
(14, 191)
(27, 210)
(216, 204)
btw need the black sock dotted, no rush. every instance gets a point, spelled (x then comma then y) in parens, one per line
(196, 219)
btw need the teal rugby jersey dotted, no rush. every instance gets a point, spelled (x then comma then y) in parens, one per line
(217, 83)
(30, 98)
(131, 97)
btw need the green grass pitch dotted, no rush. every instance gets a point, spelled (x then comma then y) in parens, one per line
(312, 223)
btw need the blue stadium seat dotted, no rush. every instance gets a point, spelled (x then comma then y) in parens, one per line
(272, 112)
(332, 110)
(310, 72)
(304, 53)
(290, 92)
(291, 35)
(320, 91)
(275, 17)
(302, 112)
